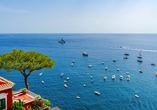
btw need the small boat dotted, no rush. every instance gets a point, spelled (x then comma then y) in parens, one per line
(140, 60)
(40, 74)
(78, 97)
(92, 81)
(120, 46)
(156, 73)
(128, 79)
(89, 66)
(73, 61)
(106, 68)
(128, 76)
(140, 56)
(61, 41)
(42, 81)
(84, 54)
(91, 77)
(114, 60)
(140, 71)
(136, 96)
(126, 54)
(96, 92)
(65, 86)
(102, 62)
(67, 78)
(71, 64)
(65, 81)
(127, 72)
(125, 57)
(61, 74)
(113, 77)
(87, 73)
(105, 78)
(118, 69)
(84, 85)
(153, 64)
(121, 77)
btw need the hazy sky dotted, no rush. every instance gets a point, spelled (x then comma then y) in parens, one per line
(78, 16)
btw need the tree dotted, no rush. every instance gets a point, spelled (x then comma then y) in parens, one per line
(25, 62)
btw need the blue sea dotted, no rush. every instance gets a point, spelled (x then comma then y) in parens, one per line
(115, 94)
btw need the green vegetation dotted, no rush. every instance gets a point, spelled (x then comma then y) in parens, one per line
(37, 96)
(17, 105)
(13, 92)
(23, 90)
(37, 104)
(25, 62)
(46, 102)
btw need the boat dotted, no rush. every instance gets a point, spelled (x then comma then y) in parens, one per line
(42, 81)
(96, 92)
(120, 46)
(126, 54)
(73, 61)
(87, 73)
(102, 62)
(40, 74)
(91, 77)
(114, 60)
(92, 81)
(156, 73)
(140, 56)
(65, 86)
(128, 79)
(71, 64)
(106, 68)
(128, 76)
(118, 69)
(127, 72)
(65, 81)
(140, 60)
(61, 74)
(78, 97)
(125, 57)
(140, 71)
(121, 77)
(84, 54)
(136, 96)
(61, 41)
(89, 66)
(67, 78)
(113, 77)
(84, 85)
(105, 78)
(153, 64)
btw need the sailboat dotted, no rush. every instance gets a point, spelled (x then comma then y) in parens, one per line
(140, 56)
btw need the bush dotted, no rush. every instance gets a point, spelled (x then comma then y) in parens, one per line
(13, 92)
(23, 90)
(37, 104)
(46, 102)
(37, 96)
(17, 105)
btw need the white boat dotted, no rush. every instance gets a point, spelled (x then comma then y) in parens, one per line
(96, 92)
(128, 76)
(126, 54)
(78, 97)
(113, 77)
(106, 68)
(65, 81)
(65, 86)
(73, 61)
(128, 79)
(127, 72)
(84, 85)
(42, 81)
(71, 64)
(87, 73)
(140, 60)
(136, 96)
(102, 62)
(91, 77)
(89, 66)
(105, 78)
(156, 73)
(118, 69)
(84, 54)
(121, 77)
(67, 78)
(153, 64)
(61, 74)
(40, 74)
(125, 57)
(140, 56)
(61, 41)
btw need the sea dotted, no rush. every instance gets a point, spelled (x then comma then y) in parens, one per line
(114, 94)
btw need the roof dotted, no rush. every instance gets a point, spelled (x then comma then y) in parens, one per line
(5, 83)
(55, 108)
(25, 97)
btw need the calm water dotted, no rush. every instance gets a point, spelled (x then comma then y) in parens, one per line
(115, 94)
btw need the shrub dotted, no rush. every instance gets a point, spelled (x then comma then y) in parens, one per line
(17, 105)
(37, 96)
(23, 90)
(13, 92)
(46, 102)
(37, 104)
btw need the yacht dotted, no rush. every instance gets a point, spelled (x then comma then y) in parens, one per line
(153, 64)
(114, 60)
(61, 74)
(136, 96)
(61, 41)
(71, 64)
(65, 86)
(78, 97)
(121, 77)
(125, 57)
(140, 56)
(84, 85)
(96, 92)
(42, 81)
(65, 81)
(128, 79)
(85, 54)
(140, 71)
(126, 54)
(156, 73)
(105, 78)
(73, 61)
(140, 60)
(102, 62)
(118, 69)
(127, 72)
(91, 77)
(67, 78)
(113, 77)
(106, 68)
(92, 81)
(89, 66)
(40, 74)
(128, 76)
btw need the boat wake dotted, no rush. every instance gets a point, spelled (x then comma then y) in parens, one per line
(139, 49)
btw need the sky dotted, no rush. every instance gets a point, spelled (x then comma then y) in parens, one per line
(78, 16)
